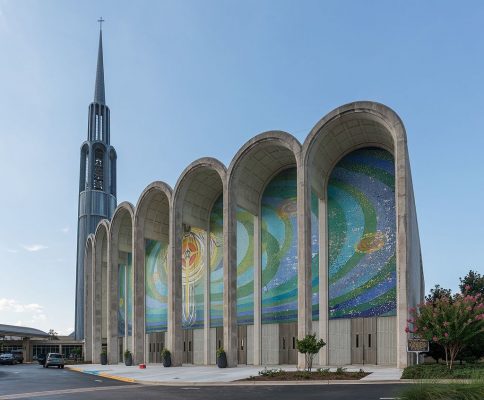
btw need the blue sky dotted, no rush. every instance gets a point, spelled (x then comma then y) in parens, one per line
(186, 79)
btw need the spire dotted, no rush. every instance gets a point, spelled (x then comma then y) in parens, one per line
(99, 96)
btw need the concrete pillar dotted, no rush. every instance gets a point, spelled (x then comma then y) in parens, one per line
(207, 299)
(230, 277)
(139, 294)
(323, 279)
(97, 285)
(112, 309)
(175, 332)
(304, 316)
(88, 300)
(257, 291)
(402, 249)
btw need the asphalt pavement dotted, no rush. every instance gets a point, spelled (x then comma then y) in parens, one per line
(31, 381)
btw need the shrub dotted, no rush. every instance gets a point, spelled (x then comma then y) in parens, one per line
(451, 322)
(453, 391)
(271, 372)
(165, 353)
(309, 346)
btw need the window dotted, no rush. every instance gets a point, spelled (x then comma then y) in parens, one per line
(98, 170)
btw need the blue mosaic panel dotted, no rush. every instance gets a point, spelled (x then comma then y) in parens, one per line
(362, 235)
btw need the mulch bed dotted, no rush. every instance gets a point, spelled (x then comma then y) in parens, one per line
(307, 376)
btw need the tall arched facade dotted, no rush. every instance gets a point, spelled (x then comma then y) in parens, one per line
(290, 239)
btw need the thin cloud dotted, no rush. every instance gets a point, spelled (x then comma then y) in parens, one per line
(34, 247)
(13, 251)
(15, 306)
(65, 229)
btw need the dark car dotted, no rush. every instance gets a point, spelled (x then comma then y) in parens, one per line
(8, 358)
(41, 359)
(19, 355)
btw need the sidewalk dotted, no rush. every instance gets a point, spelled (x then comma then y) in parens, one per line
(195, 374)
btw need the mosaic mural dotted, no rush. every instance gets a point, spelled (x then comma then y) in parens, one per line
(125, 296)
(315, 255)
(279, 248)
(156, 286)
(193, 272)
(245, 267)
(361, 229)
(216, 264)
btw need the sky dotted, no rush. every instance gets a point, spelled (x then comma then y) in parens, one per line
(188, 79)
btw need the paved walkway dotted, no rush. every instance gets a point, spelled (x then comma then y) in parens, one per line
(156, 373)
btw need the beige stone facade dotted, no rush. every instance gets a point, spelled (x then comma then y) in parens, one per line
(164, 214)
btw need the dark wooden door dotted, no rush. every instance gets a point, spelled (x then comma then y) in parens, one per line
(292, 350)
(242, 344)
(363, 341)
(188, 346)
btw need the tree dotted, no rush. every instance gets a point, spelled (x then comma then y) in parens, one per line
(438, 293)
(453, 323)
(472, 283)
(309, 346)
(52, 334)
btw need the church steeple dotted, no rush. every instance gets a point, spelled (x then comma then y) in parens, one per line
(97, 180)
(99, 96)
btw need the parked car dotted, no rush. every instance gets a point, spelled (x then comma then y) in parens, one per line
(41, 359)
(19, 355)
(54, 360)
(8, 358)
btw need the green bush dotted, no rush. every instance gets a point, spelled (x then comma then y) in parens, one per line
(451, 391)
(440, 371)
(272, 372)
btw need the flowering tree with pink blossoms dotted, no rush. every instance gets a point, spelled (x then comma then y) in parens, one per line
(451, 322)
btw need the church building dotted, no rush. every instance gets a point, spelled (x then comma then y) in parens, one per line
(288, 239)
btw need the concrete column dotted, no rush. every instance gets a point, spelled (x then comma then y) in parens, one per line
(175, 332)
(323, 279)
(139, 294)
(207, 299)
(257, 291)
(88, 301)
(230, 277)
(402, 195)
(304, 316)
(97, 285)
(112, 309)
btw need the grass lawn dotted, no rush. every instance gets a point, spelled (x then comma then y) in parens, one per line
(441, 371)
(319, 374)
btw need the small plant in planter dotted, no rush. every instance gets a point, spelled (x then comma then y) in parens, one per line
(221, 358)
(104, 357)
(166, 357)
(128, 358)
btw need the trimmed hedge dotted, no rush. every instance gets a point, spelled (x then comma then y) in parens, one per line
(441, 371)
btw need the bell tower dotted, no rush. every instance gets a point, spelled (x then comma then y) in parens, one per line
(97, 180)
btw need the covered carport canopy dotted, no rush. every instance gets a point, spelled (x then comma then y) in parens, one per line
(21, 331)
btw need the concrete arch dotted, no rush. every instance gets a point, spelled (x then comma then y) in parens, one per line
(347, 128)
(100, 289)
(151, 221)
(343, 130)
(88, 295)
(120, 245)
(251, 169)
(257, 161)
(196, 190)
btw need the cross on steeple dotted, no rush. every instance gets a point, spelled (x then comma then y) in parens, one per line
(100, 20)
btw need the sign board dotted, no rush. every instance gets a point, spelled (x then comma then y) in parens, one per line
(418, 345)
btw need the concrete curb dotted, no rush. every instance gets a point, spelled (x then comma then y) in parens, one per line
(239, 382)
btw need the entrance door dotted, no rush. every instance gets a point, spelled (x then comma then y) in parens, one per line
(287, 343)
(363, 341)
(188, 346)
(242, 344)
